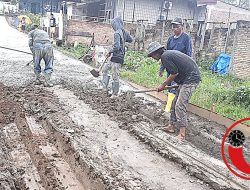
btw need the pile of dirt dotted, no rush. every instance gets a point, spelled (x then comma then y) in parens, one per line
(8, 108)
(117, 109)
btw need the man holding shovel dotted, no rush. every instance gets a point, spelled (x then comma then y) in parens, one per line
(40, 46)
(117, 58)
(183, 70)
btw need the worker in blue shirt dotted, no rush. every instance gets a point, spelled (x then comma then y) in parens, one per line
(180, 41)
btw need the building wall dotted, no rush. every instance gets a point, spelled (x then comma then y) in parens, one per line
(41, 5)
(182, 8)
(7, 8)
(241, 55)
(77, 31)
(220, 13)
(133, 10)
(26, 6)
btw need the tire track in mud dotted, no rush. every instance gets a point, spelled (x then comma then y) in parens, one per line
(21, 158)
(36, 163)
(11, 176)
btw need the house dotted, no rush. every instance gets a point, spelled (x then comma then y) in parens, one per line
(133, 10)
(7, 8)
(151, 11)
(76, 10)
(41, 6)
(223, 13)
(86, 9)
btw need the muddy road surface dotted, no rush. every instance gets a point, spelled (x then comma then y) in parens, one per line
(71, 136)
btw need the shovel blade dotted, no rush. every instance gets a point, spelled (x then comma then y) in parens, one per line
(95, 73)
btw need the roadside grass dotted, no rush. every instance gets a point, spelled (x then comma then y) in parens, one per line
(77, 52)
(227, 95)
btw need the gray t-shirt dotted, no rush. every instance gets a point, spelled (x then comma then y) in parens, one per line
(37, 36)
(176, 62)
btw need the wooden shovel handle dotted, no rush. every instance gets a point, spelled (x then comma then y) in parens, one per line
(155, 89)
(169, 87)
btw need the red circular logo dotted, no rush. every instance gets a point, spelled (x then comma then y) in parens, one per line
(232, 152)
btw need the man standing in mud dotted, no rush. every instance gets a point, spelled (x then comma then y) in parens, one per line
(117, 58)
(183, 70)
(40, 46)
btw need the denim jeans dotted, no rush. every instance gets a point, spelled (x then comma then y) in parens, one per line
(43, 51)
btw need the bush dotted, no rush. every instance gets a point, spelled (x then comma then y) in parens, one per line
(205, 64)
(35, 20)
(75, 52)
(135, 60)
(240, 96)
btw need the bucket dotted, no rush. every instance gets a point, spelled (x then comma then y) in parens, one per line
(169, 102)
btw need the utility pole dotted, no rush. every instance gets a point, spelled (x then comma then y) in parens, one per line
(133, 20)
(124, 7)
(165, 8)
(228, 30)
(51, 6)
(42, 7)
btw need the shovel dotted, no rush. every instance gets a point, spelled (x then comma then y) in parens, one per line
(96, 73)
(29, 63)
(152, 90)
(131, 93)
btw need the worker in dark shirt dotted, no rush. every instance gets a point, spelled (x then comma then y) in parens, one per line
(183, 70)
(180, 41)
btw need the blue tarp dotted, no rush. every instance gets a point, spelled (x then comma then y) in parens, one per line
(221, 65)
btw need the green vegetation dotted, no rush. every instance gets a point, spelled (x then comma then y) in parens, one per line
(34, 18)
(77, 52)
(142, 70)
(228, 95)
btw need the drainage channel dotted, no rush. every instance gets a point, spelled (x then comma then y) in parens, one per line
(53, 172)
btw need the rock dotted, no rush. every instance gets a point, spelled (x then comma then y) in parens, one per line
(200, 182)
(191, 181)
(70, 131)
(134, 117)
